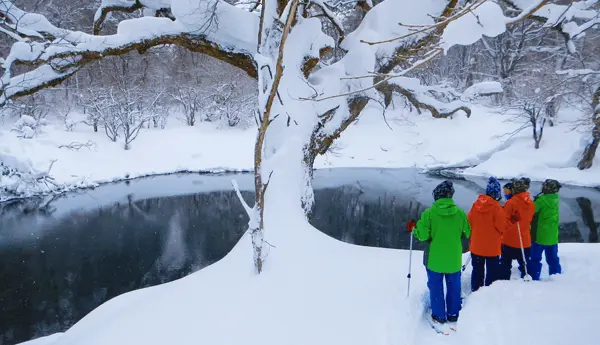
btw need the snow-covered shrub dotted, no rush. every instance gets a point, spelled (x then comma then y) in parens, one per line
(230, 105)
(36, 106)
(65, 114)
(19, 179)
(189, 99)
(93, 103)
(27, 126)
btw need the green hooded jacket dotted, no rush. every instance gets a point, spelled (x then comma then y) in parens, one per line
(443, 226)
(546, 208)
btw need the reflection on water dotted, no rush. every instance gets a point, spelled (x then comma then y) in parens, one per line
(60, 260)
(587, 214)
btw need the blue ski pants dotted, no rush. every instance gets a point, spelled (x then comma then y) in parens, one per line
(551, 259)
(450, 305)
(485, 270)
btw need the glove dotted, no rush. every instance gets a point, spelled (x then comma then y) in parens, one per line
(515, 218)
(411, 225)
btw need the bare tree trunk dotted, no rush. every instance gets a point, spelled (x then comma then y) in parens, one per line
(587, 159)
(537, 135)
(589, 153)
(551, 111)
(256, 214)
(256, 226)
(309, 163)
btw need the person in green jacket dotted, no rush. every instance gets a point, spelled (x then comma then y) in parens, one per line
(443, 226)
(546, 235)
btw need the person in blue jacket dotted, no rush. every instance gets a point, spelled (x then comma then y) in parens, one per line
(507, 189)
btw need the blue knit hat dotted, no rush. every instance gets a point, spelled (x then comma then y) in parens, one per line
(493, 189)
(443, 190)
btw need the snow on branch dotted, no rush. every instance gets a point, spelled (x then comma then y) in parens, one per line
(203, 26)
(108, 6)
(578, 72)
(330, 15)
(527, 11)
(399, 49)
(422, 97)
(395, 38)
(572, 20)
(156, 8)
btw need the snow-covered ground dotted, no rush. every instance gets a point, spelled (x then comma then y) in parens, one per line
(405, 140)
(317, 290)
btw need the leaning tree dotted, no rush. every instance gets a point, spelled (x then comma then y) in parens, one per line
(306, 97)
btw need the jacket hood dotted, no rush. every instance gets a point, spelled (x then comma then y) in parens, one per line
(523, 200)
(549, 199)
(444, 207)
(485, 204)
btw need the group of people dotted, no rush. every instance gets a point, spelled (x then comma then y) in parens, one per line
(498, 235)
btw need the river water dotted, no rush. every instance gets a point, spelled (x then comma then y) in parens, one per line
(62, 258)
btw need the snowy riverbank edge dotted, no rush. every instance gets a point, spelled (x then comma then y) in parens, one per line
(450, 172)
(458, 147)
(61, 190)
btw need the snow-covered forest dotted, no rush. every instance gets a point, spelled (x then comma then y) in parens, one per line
(542, 64)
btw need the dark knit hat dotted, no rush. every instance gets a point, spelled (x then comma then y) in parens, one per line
(551, 186)
(493, 189)
(521, 185)
(443, 190)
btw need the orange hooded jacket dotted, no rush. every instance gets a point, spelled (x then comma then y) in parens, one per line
(488, 221)
(523, 205)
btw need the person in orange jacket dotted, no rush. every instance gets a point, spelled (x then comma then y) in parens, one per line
(519, 211)
(487, 221)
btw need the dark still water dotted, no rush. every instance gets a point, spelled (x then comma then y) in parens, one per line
(60, 259)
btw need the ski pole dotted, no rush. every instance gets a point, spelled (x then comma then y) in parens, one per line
(409, 264)
(527, 276)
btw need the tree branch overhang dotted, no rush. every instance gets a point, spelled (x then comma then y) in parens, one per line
(72, 61)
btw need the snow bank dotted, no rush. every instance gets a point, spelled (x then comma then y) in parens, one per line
(48, 340)
(178, 148)
(515, 312)
(423, 142)
(560, 150)
(485, 88)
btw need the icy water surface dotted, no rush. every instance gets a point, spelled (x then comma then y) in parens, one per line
(60, 259)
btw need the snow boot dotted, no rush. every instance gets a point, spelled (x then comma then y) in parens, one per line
(438, 325)
(452, 322)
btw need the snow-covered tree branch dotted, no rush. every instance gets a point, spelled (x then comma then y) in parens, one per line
(55, 54)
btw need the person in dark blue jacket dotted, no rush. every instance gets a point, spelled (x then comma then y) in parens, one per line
(507, 189)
